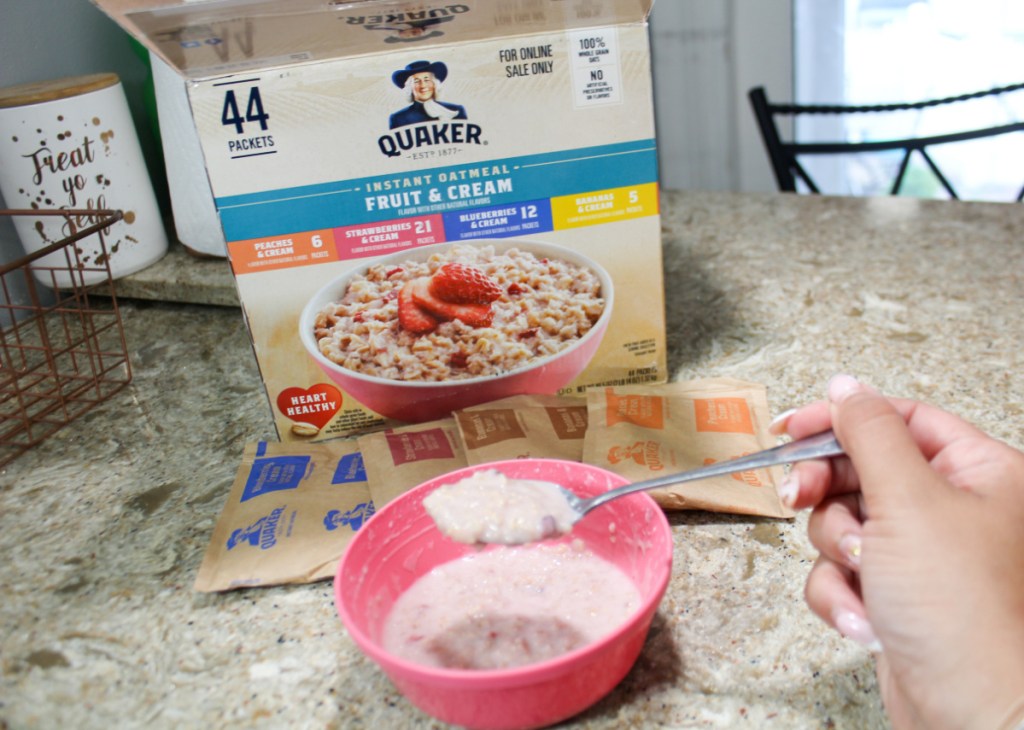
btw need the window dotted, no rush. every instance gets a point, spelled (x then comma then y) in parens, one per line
(886, 51)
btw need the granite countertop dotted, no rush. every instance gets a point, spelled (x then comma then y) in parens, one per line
(103, 525)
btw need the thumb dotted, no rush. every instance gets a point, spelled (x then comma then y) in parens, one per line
(893, 473)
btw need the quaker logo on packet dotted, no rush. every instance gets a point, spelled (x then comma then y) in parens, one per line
(644, 453)
(428, 120)
(353, 518)
(262, 533)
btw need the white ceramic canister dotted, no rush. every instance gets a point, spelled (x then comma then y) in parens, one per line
(70, 144)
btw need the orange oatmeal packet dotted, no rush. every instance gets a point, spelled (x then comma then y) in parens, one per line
(642, 432)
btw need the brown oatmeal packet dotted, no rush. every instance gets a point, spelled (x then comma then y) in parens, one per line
(399, 459)
(524, 426)
(292, 510)
(642, 432)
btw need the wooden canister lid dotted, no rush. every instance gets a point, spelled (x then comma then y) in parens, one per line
(39, 92)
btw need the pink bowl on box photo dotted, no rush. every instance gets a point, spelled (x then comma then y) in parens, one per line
(401, 543)
(415, 401)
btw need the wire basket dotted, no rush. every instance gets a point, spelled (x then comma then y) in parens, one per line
(62, 348)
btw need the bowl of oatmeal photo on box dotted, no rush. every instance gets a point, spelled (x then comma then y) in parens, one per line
(418, 334)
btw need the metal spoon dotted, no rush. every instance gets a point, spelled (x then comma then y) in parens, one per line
(545, 509)
(818, 446)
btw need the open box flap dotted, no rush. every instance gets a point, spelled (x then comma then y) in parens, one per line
(210, 38)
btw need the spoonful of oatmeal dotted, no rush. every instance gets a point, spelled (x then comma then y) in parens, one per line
(489, 507)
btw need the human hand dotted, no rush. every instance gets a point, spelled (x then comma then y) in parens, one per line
(920, 531)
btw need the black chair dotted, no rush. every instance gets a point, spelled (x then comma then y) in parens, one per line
(783, 155)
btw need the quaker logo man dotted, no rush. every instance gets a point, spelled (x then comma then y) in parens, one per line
(354, 517)
(262, 533)
(644, 453)
(422, 81)
(249, 534)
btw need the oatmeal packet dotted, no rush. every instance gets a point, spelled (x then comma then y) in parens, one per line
(642, 432)
(399, 459)
(292, 510)
(522, 426)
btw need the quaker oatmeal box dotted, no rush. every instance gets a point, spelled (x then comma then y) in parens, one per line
(427, 206)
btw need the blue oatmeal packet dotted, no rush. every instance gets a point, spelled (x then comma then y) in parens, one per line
(292, 510)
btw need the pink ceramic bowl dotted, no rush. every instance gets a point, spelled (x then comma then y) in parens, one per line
(401, 543)
(415, 402)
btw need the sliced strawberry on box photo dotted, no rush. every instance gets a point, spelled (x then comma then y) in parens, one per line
(463, 284)
(475, 315)
(411, 316)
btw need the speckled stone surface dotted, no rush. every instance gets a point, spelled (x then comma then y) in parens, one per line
(182, 276)
(103, 526)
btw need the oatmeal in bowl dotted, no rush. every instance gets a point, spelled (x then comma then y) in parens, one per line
(418, 334)
(486, 648)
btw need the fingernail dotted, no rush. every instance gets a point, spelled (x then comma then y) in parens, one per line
(857, 628)
(841, 386)
(789, 490)
(849, 546)
(777, 426)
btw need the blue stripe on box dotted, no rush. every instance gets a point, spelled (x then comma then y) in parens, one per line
(510, 181)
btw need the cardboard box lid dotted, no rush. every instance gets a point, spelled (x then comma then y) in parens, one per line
(211, 38)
